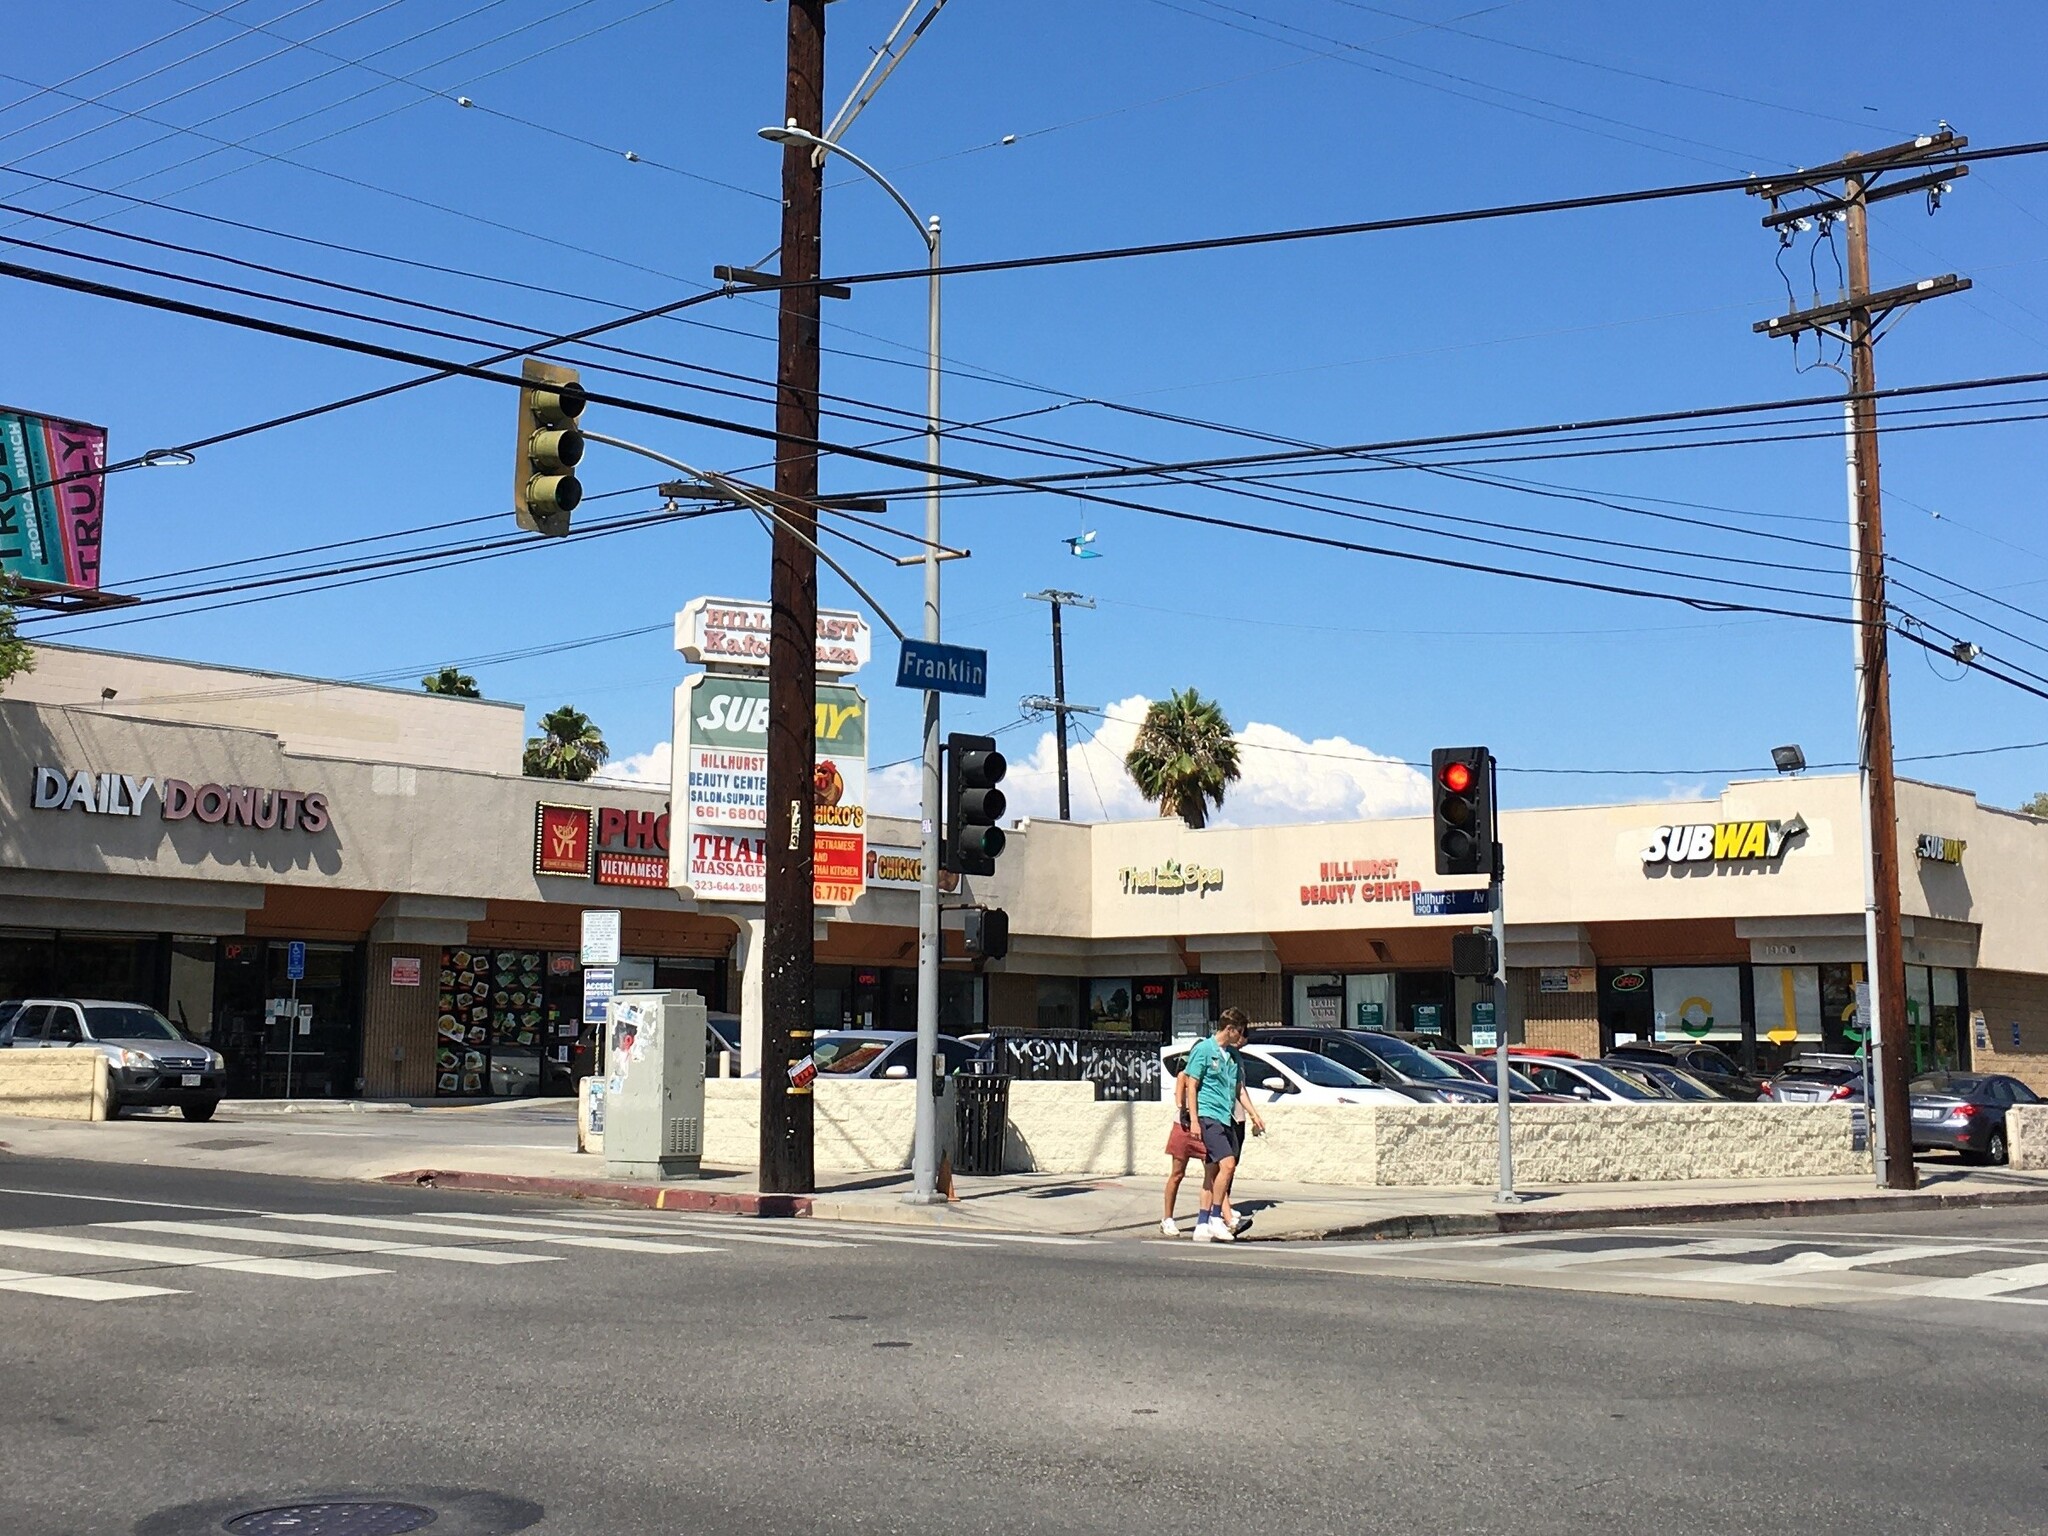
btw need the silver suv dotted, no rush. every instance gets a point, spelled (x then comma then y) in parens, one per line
(148, 1061)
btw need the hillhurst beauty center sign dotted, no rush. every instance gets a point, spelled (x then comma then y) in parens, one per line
(721, 754)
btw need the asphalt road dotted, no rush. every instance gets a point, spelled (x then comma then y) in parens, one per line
(673, 1374)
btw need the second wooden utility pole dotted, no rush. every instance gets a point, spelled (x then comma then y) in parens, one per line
(788, 971)
(1854, 321)
(1060, 711)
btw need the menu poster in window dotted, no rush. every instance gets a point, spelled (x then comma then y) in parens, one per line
(490, 1022)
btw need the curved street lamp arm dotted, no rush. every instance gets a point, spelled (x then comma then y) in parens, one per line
(757, 502)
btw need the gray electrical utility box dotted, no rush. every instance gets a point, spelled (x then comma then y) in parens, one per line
(654, 1085)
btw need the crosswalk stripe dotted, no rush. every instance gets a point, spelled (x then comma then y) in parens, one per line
(1577, 1257)
(204, 1258)
(233, 1234)
(845, 1234)
(693, 1227)
(78, 1287)
(1985, 1287)
(499, 1234)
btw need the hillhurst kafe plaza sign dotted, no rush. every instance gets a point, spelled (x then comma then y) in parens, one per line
(721, 760)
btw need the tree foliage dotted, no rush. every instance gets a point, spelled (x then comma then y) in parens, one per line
(452, 683)
(2038, 806)
(568, 747)
(16, 654)
(1185, 756)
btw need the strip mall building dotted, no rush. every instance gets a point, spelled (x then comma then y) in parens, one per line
(168, 831)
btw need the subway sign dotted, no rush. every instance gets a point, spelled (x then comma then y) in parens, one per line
(1722, 842)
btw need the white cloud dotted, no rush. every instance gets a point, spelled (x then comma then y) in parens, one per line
(649, 769)
(1285, 777)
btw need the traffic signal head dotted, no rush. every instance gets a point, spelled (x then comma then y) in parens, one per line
(545, 489)
(987, 934)
(1461, 795)
(974, 805)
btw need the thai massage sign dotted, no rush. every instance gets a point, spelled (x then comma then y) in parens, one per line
(1344, 881)
(1170, 879)
(1723, 842)
(232, 805)
(722, 782)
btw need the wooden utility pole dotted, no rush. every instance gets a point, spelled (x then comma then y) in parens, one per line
(1060, 711)
(788, 970)
(1854, 321)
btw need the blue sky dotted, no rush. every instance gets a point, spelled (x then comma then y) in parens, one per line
(1144, 120)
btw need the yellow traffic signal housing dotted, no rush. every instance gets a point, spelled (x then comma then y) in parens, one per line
(545, 489)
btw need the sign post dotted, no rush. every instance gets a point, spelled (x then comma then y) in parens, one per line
(1497, 894)
(295, 972)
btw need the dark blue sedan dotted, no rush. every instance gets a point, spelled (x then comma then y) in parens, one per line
(1964, 1112)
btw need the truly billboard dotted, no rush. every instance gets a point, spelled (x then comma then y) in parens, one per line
(51, 489)
(722, 787)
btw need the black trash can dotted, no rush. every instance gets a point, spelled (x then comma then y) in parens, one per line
(982, 1110)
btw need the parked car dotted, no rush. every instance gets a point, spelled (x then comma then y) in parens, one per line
(9, 1011)
(1818, 1079)
(1674, 1082)
(1965, 1112)
(1276, 1072)
(1482, 1069)
(1709, 1063)
(148, 1061)
(1381, 1058)
(880, 1053)
(1587, 1081)
(722, 1045)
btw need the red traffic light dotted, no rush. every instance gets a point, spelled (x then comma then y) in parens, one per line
(1457, 777)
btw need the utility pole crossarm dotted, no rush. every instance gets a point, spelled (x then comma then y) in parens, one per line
(1823, 317)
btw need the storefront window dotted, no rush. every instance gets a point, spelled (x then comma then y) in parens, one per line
(1318, 1002)
(1194, 1003)
(284, 1039)
(1934, 1023)
(1369, 1002)
(492, 1034)
(1702, 1002)
(1059, 1002)
(1109, 1003)
(1787, 1013)
(1838, 1032)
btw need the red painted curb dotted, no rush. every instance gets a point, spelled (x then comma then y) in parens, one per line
(654, 1197)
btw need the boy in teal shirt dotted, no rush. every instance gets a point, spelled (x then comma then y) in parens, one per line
(1214, 1078)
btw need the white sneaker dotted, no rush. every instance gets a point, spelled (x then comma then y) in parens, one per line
(1168, 1227)
(1205, 1231)
(1219, 1231)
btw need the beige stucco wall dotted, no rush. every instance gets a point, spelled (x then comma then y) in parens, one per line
(395, 828)
(1059, 1128)
(312, 717)
(54, 1085)
(860, 1127)
(2026, 1133)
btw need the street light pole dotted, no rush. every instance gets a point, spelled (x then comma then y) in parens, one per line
(924, 1156)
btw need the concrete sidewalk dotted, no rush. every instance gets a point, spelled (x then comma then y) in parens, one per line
(528, 1147)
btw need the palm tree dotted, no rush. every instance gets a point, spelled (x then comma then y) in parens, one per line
(568, 747)
(1184, 756)
(453, 683)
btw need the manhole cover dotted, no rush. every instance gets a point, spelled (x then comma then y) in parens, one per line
(332, 1519)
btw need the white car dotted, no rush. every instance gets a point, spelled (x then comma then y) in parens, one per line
(876, 1053)
(1281, 1073)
